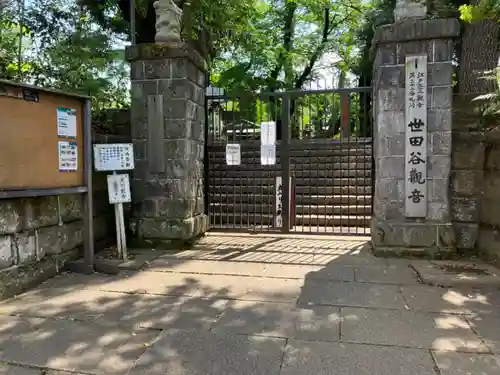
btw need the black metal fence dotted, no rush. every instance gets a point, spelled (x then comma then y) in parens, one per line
(323, 159)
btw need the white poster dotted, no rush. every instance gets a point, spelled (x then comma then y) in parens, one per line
(68, 156)
(416, 137)
(66, 122)
(114, 157)
(268, 154)
(119, 188)
(268, 133)
(233, 154)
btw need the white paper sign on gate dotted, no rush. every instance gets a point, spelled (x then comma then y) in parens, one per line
(268, 133)
(416, 137)
(268, 154)
(233, 154)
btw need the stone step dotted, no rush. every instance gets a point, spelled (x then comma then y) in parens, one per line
(229, 208)
(306, 160)
(255, 152)
(220, 187)
(311, 143)
(299, 182)
(294, 167)
(350, 210)
(309, 200)
(300, 199)
(333, 220)
(300, 174)
(248, 220)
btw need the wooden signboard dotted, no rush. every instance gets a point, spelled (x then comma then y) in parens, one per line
(41, 138)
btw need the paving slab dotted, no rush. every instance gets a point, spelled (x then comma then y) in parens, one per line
(209, 286)
(13, 326)
(319, 292)
(77, 347)
(313, 246)
(242, 268)
(72, 281)
(459, 273)
(361, 259)
(398, 275)
(332, 272)
(231, 243)
(17, 370)
(256, 318)
(266, 257)
(487, 326)
(189, 352)
(162, 312)
(82, 304)
(320, 358)
(451, 300)
(467, 364)
(409, 329)
(318, 323)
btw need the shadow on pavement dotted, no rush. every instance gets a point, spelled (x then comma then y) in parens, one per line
(264, 307)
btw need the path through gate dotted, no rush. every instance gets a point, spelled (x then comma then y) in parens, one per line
(323, 158)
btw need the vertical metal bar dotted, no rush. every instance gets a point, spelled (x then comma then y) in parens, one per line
(369, 132)
(206, 164)
(285, 160)
(88, 219)
(132, 22)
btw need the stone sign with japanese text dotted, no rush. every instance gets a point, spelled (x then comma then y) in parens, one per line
(416, 137)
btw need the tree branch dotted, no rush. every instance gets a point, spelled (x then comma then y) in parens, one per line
(288, 31)
(319, 49)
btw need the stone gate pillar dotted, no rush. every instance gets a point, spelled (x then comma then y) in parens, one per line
(396, 229)
(168, 125)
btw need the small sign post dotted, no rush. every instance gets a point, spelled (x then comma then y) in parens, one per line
(416, 137)
(117, 157)
(278, 219)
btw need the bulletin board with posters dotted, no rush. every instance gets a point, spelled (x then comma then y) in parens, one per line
(42, 141)
(46, 148)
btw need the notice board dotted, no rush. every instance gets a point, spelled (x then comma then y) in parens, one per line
(41, 138)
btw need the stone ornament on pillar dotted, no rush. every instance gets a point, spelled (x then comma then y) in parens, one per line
(406, 9)
(168, 21)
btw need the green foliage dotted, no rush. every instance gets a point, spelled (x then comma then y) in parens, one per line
(286, 40)
(63, 48)
(485, 9)
(491, 101)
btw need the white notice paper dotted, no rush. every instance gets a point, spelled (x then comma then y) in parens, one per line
(119, 188)
(416, 137)
(68, 156)
(66, 122)
(114, 156)
(268, 154)
(268, 133)
(233, 154)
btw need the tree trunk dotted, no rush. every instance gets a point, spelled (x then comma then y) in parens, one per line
(479, 53)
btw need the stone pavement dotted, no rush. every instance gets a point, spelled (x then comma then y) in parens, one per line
(253, 305)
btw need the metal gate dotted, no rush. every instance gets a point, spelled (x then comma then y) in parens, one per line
(323, 159)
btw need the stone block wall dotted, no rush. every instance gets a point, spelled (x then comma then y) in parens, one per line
(392, 232)
(168, 131)
(488, 243)
(466, 186)
(38, 235)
